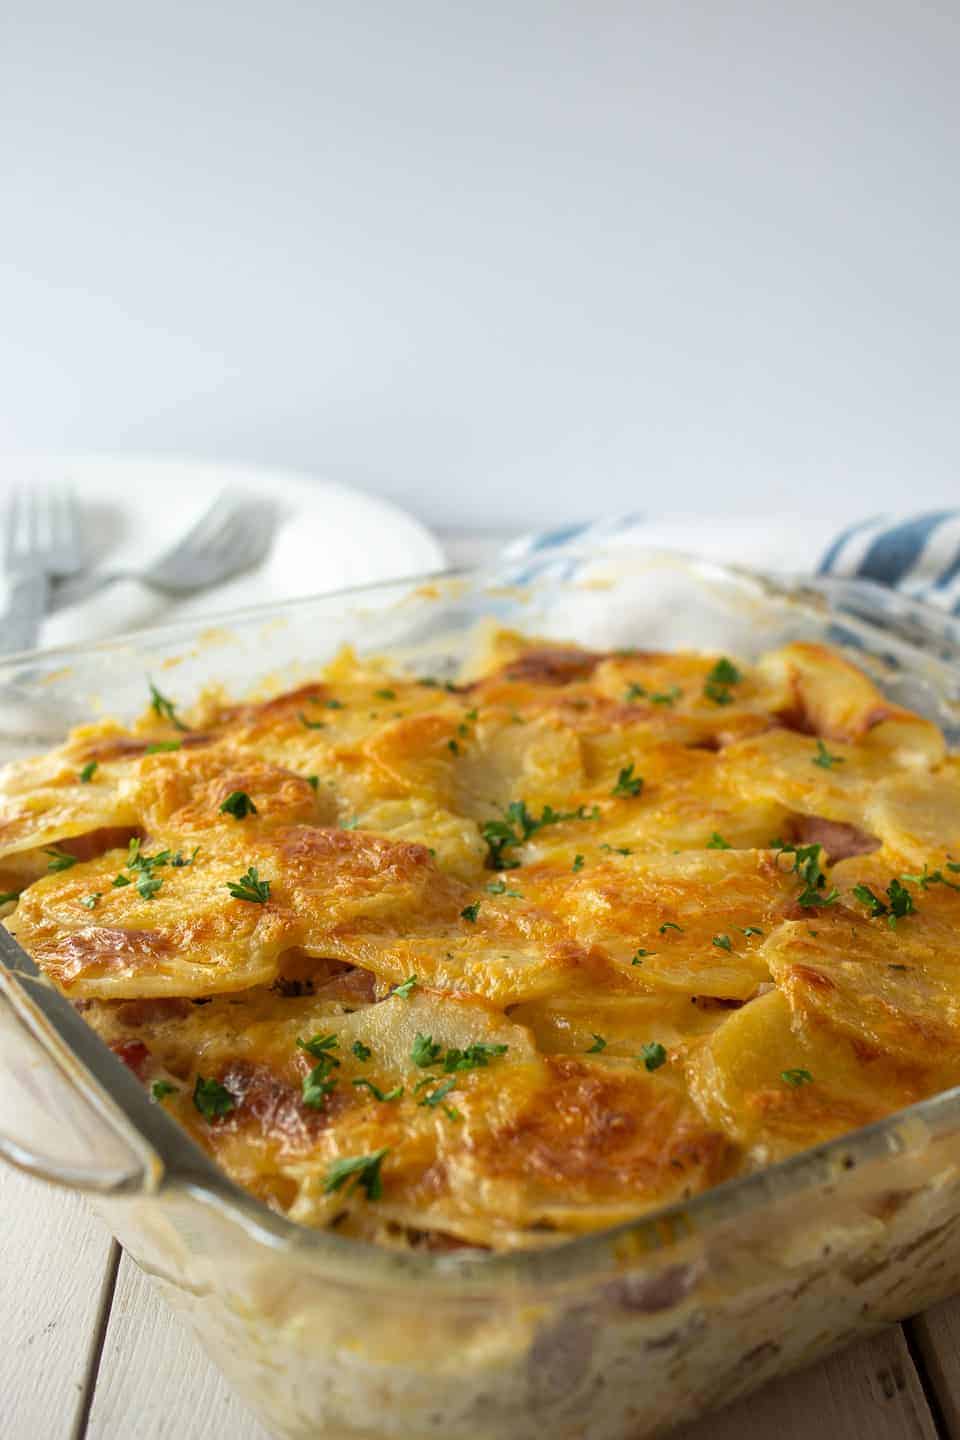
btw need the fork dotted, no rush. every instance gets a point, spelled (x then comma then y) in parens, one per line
(233, 535)
(41, 540)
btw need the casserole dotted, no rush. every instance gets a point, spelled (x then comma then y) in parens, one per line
(627, 1331)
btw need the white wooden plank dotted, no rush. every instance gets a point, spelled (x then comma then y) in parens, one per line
(936, 1335)
(870, 1391)
(155, 1382)
(54, 1264)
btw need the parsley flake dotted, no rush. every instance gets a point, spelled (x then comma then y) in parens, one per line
(385, 694)
(440, 1094)
(669, 925)
(824, 759)
(634, 692)
(796, 1077)
(148, 885)
(470, 912)
(899, 902)
(313, 781)
(499, 887)
(667, 697)
(360, 1170)
(407, 988)
(6, 896)
(250, 887)
(653, 1055)
(425, 1051)
(212, 1099)
(238, 804)
(362, 1052)
(717, 842)
(453, 747)
(806, 864)
(475, 1057)
(90, 902)
(749, 930)
(334, 704)
(617, 849)
(311, 724)
(160, 1089)
(163, 747)
(88, 772)
(319, 1084)
(165, 708)
(518, 825)
(395, 1094)
(577, 863)
(319, 1045)
(641, 955)
(722, 942)
(717, 684)
(627, 783)
(59, 860)
(598, 1044)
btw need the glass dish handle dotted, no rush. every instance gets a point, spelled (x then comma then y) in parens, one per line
(56, 1121)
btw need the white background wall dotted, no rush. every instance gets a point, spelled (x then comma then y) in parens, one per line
(514, 261)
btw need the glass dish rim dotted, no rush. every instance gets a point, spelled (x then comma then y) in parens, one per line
(617, 1248)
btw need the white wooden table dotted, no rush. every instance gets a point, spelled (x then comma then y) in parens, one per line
(89, 1350)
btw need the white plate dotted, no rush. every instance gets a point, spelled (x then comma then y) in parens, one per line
(328, 536)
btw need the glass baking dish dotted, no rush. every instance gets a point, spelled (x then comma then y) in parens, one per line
(625, 1332)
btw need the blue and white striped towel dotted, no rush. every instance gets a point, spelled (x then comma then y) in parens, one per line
(917, 554)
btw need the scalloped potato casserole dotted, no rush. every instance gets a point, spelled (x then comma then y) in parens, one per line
(499, 962)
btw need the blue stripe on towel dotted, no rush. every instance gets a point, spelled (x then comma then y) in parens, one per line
(895, 552)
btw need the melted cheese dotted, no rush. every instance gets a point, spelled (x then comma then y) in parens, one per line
(633, 1007)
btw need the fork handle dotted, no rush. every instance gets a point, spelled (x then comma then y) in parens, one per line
(27, 595)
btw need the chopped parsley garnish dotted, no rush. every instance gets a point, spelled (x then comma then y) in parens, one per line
(899, 902)
(90, 902)
(499, 887)
(88, 772)
(238, 804)
(749, 930)
(436, 1097)
(334, 704)
(160, 1089)
(313, 781)
(385, 694)
(617, 849)
(250, 887)
(165, 708)
(634, 692)
(929, 877)
(212, 1099)
(407, 988)
(641, 955)
(669, 925)
(598, 1044)
(6, 896)
(163, 747)
(362, 1052)
(653, 1055)
(717, 684)
(472, 714)
(824, 759)
(518, 825)
(383, 1096)
(577, 863)
(806, 864)
(627, 783)
(722, 942)
(178, 862)
(453, 747)
(119, 880)
(667, 697)
(148, 885)
(319, 1084)
(470, 912)
(425, 1051)
(796, 1077)
(59, 860)
(362, 1170)
(717, 842)
(311, 724)
(350, 824)
(475, 1057)
(319, 1045)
